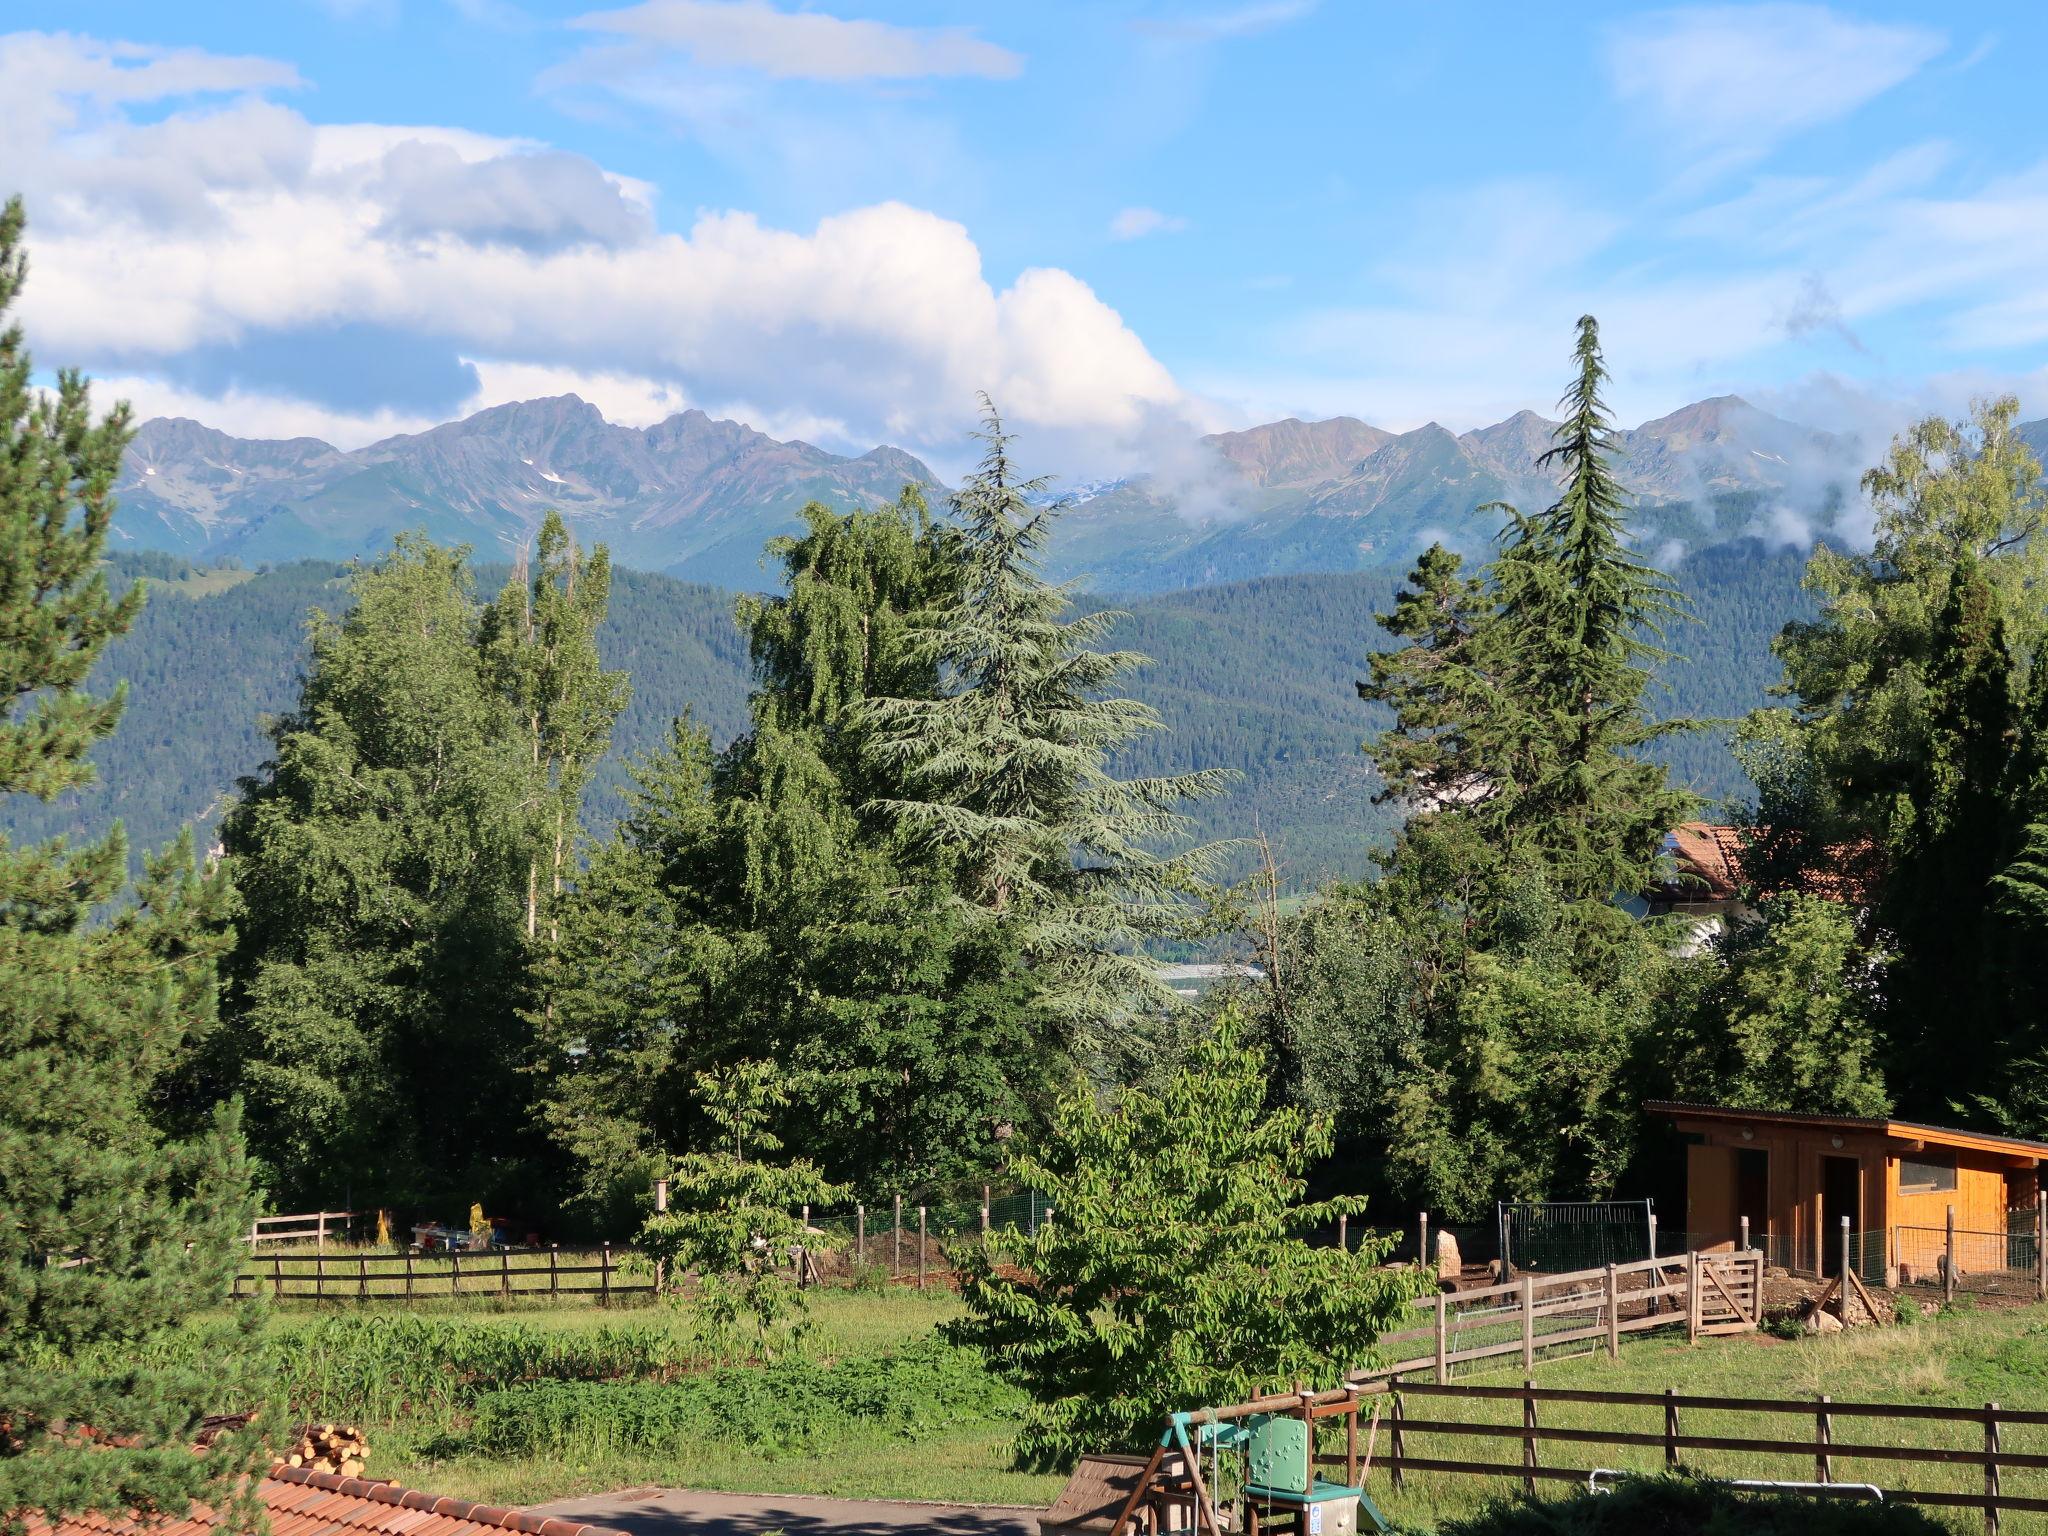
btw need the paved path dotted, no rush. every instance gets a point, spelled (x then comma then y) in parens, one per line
(681, 1512)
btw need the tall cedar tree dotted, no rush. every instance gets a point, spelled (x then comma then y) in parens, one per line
(749, 907)
(1520, 702)
(383, 855)
(1004, 771)
(115, 1233)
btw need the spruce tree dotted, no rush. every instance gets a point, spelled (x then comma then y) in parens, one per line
(115, 1232)
(1006, 770)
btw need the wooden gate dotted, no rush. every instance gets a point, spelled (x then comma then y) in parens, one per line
(1728, 1292)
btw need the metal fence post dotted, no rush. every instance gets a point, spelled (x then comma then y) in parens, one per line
(1845, 1273)
(1948, 1259)
(1422, 1250)
(1745, 1234)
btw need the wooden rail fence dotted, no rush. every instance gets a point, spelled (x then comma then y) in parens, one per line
(1172, 1494)
(1703, 1293)
(409, 1276)
(305, 1226)
(1814, 1455)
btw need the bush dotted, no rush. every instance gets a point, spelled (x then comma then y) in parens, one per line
(1687, 1506)
(384, 1367)
(791, 1406)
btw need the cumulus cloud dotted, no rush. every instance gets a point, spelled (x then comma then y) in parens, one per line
(878, 323)
(540, 201)
(1136, 223)
(1731, 81)
(804, 45)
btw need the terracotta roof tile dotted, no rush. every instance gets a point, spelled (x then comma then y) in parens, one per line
(303, 1503)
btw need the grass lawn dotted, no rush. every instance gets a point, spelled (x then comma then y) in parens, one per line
(1966, 1360)
(965, 1461)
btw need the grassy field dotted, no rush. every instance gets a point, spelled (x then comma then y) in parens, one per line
(520, 1402)
(421, 1415)
(1965, 1360)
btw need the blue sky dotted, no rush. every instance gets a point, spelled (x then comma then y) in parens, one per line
(1129, 220)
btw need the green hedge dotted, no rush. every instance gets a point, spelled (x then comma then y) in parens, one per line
(793, 1405)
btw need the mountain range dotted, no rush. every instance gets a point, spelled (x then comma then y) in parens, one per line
(696, 497)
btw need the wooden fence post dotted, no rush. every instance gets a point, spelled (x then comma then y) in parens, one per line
(277, 1274)
(2041, 1246)
(1400, 1446)
(555, 1270)
(408, 1275)
(319, 1276)
(803, 1247)
(1948, 1259)
(1745, 1234)
(920, 1247)
(504, 1271)
(1343, 1234)
(1692, 1297)
(860, 1237)
(362, 1276)
(984, 1213)
(454, 1272)
(1529, 1433)
(1422, 1250)
(1529, 1325)
(1443, 1364)
(1823, 1437)
(1351, 1440)
(604, 1277)
(1671, 1427)
(1614, 1313)
(896, 1254)
(1991, 1468)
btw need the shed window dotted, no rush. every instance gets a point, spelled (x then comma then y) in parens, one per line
(1927, 1173)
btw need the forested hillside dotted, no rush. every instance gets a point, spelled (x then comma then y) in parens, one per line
(1257, 677)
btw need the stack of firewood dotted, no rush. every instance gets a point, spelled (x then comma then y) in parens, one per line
(329, 1448)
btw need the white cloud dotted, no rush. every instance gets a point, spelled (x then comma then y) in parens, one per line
(804, 45)
(1729, 82)
(1136, 223)
(1220, 26)
(878, 322)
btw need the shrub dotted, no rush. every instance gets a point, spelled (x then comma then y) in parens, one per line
(1688, 1506)
(791, 1406)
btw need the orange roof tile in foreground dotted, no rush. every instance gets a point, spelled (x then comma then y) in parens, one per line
(303, 1503)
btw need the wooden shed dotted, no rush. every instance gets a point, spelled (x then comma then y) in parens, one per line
(1795, 1176)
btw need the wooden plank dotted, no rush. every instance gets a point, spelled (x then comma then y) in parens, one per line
(1732, 1404)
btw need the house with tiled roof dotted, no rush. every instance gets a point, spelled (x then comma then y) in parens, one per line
(1709, 881)
(305, 1503)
